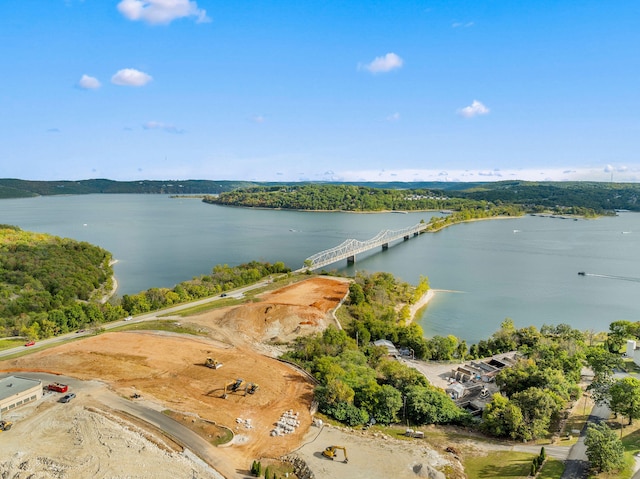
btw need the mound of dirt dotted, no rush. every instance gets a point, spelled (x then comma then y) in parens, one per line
(296, 310)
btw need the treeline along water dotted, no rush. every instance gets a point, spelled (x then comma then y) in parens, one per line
(523, 268)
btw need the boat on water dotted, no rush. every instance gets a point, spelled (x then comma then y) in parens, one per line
(582, 273)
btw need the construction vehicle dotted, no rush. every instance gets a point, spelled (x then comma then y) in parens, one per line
(252, 388)
(212, 363)
(233, 387)
(5, 425)
(57, 387)
(331, 452)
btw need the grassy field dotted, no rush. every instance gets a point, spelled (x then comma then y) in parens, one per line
(510, 465)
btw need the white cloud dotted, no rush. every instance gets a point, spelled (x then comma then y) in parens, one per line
(130, 77)
(89, 83)
(476, 108)
(389, 62)
(158, 125)
(461, 25)
(161, 12)
(394, 117)
(257, 118)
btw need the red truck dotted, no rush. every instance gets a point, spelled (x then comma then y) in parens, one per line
(57, 387)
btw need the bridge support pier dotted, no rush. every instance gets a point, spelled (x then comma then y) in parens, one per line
(351, 259)
(385, 246)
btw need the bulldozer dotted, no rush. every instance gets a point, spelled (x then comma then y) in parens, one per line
(233, 387)
(331, 452)
(5, 425)
(212, 363)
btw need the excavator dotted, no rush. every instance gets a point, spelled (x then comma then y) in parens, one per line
(212, 363)
(233, 387)
(331, 452)
(5, 425)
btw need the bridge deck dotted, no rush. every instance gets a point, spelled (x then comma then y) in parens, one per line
(351, 247)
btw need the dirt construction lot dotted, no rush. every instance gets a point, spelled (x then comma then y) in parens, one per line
(88, 437)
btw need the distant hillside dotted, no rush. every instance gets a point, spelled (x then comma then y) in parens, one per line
(567, 197)
(13, 188)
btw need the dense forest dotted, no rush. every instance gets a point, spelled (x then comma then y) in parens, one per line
(587, 199)
(41, 273)
(51, 285)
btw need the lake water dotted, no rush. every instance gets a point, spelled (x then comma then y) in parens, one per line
(525, 268)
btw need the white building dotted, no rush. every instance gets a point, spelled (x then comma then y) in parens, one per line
(16, 391)
(633, 351)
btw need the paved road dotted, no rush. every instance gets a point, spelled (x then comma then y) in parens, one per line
(236, 293)
(577, 464)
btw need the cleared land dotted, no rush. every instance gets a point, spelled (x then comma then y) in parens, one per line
(89, 436)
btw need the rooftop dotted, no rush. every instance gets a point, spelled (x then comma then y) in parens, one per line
(12, 385)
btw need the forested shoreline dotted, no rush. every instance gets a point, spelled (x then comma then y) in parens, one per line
(583, 199)
(51, 285)
(578, 198)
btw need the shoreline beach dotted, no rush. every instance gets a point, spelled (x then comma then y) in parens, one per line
(421, 303)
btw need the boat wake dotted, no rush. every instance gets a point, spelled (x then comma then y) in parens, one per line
(609, 276)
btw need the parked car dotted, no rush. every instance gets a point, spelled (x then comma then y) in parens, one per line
(128, 318)
(29, 343)
(67, 397)
(223, 295)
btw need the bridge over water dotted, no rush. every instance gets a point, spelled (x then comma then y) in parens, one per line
(351, 247)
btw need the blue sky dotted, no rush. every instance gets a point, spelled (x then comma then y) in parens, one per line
(320, 90)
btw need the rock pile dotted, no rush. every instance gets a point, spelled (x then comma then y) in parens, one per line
(244, 422)
(300, 468)
(287, 423)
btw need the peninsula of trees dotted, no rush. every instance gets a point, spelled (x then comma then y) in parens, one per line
(514, 197)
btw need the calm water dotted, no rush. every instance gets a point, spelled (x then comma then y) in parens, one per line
(524, 268)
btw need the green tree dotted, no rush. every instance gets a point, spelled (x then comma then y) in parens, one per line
(602, 361)
(502, 418)
(428, 405)
(538, 408)
(618, 333)
(604, 449)
(625, 397)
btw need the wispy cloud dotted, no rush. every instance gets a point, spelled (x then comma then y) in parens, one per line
(476, 108)
(89, 83)
(161, 12)
(158, 125)
(383, 64)
(393, 117)
(462, 24)
(130, 77)
(257, 118)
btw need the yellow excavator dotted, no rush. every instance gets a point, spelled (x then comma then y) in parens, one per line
(331, 452)
(5, 425)
(234, 386)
